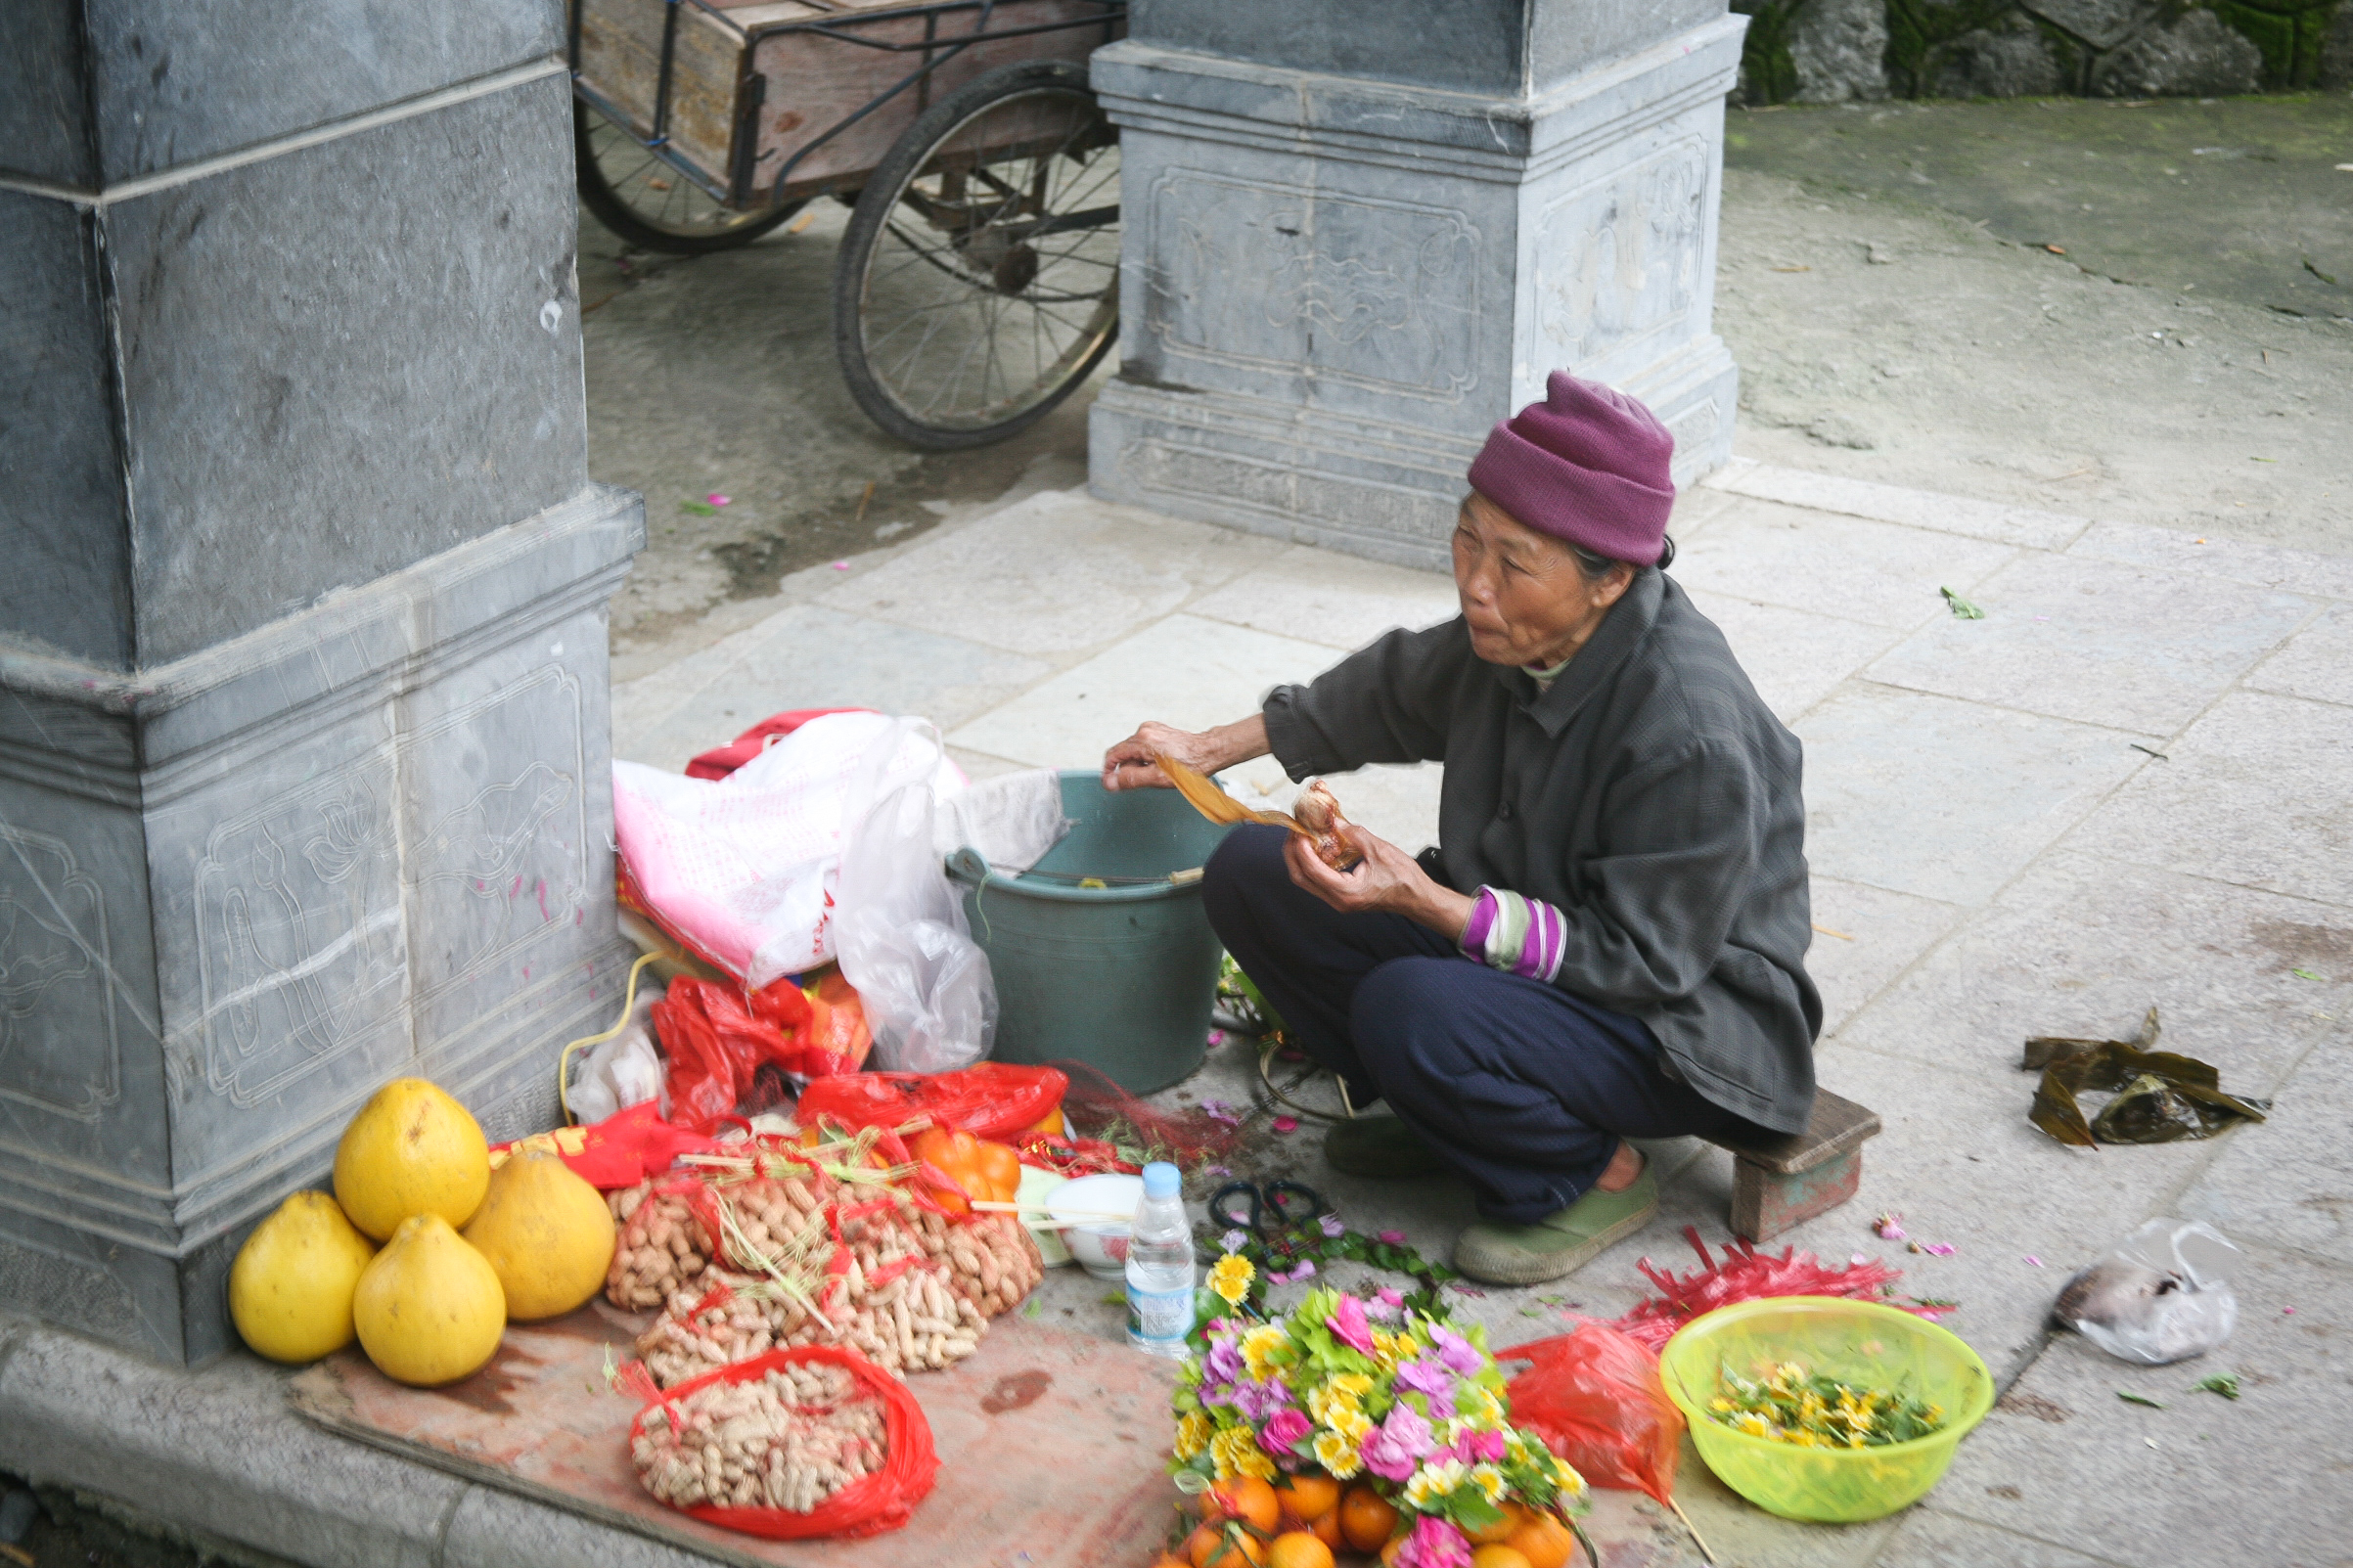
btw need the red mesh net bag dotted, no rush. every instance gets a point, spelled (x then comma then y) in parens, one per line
(833, 1446)
(1595, 1396)
(1748, 1274)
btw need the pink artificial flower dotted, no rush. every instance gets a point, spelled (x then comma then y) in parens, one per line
(1456, 1351)
(1479, 1448)
(1435, 1543)
(1333, 1227)
(1396, 1447)
(1348, 1327)
(1390, 1296)
(1283, 1429)
(1889, 1227)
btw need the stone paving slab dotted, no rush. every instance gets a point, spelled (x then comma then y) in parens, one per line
(1943, 798)
(2092, 640)
(2262, 1479)
(2257, 791)
(1881, 572)
(2317, 662)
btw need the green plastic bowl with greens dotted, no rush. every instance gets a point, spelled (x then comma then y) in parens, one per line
(1858, 1342)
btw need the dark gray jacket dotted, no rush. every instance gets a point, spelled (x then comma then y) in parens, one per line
(1649, 795)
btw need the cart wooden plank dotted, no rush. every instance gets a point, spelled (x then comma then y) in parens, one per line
(1051, 1444)
(809, 81)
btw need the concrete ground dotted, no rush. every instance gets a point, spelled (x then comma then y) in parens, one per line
(1888, 285)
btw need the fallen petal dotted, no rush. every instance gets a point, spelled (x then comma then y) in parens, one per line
(1286, 1124)
(1396, 1238)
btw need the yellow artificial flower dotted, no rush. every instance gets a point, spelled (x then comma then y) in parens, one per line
(1432, 1483)
(1489, 1480)
(1750, 1423)
(1351, 1424)
(1337, 1455)
(1568, 1479)
(1231, 1277)
(1192, 1434)
(1356, 1385)
(1235, 1452)
(1257, 1346)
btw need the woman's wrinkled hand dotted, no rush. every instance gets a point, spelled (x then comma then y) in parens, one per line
(1387, 880)
(1130, 764)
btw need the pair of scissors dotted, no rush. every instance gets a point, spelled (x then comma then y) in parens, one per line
(1271, 1214)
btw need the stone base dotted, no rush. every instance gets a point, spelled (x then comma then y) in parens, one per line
(1333, 287)
(243, 890)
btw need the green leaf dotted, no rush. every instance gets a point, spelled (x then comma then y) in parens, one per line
(700, 509)
(2224, 1383)
(1961, 607)
(1468, 1508)
(2305, 974)
(2131, 1397)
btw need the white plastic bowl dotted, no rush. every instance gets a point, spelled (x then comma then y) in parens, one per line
(1098, 1246)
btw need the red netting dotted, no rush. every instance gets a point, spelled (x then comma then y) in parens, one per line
(1095, 1105)
(869, 1506)
(1748, 1274)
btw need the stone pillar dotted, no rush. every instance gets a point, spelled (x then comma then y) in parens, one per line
(303, 714)
(1356, 237)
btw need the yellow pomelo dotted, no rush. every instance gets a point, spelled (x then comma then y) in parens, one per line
(546, 1231)
(412, 1149)
(430, 1309)
(289, 1289)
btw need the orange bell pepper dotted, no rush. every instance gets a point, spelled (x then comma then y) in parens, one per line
(984, 1170)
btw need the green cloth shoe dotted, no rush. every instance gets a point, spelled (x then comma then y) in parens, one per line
(1379, 1145)
(1559, 1244)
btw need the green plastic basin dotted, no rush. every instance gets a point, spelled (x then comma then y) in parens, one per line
(1120, 977)
(1860, 1342)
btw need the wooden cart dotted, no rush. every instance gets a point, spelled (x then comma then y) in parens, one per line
(979, 279)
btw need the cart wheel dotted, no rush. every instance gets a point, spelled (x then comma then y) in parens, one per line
(650, 204)
(979, 277)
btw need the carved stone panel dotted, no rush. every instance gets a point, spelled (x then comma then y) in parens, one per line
(1287, 284)
(1619, 260)
(59, 1050)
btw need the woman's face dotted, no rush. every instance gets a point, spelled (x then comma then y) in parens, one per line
(1523, 594)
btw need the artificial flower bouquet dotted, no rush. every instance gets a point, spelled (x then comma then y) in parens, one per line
(1377, 1397)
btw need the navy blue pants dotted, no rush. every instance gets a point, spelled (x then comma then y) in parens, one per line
(1521, 1087)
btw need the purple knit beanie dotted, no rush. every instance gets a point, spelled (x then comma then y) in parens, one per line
(1588, 465)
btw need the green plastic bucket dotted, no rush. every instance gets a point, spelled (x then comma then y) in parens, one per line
(1120, 977)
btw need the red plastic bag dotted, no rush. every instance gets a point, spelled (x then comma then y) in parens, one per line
(881, 1501)
(1595, 1396)
(621, 1150)
(720, 761)
(996, 1100)
(704, 1087)
(717, 1040)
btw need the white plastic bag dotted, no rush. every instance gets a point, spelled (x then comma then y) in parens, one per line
(2162, 1296)
(747, 866)
(900, 933)
(1013, 819)
(623, 1071)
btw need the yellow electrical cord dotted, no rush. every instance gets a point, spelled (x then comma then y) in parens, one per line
(563, 1063)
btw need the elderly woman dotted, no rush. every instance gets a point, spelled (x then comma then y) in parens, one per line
(1608, 942)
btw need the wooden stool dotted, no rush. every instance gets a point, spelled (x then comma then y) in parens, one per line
(1780, 1179)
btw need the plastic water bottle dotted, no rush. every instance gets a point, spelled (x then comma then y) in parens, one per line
(1159, 1265)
